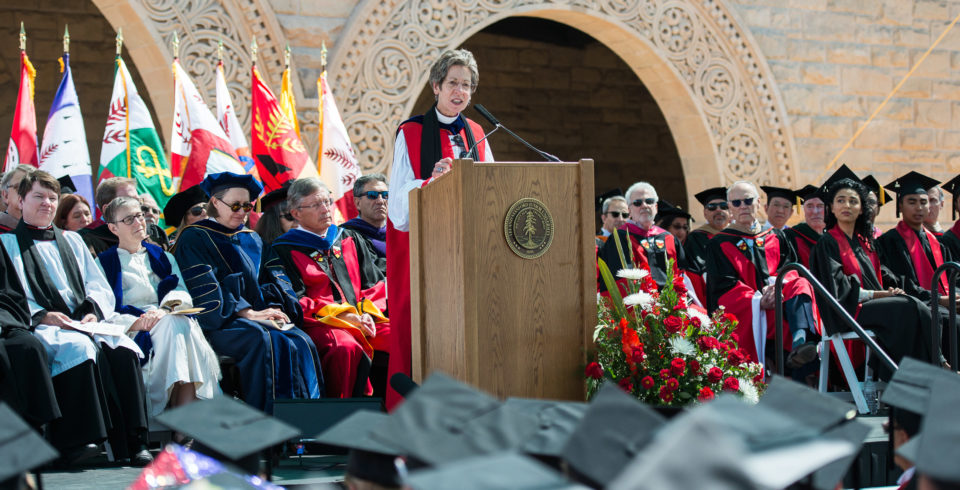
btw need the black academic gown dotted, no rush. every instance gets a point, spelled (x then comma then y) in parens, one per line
(695, 249)
(902, 323)
(25, 382)
(223, 270)
(950, 240)
(802, 238)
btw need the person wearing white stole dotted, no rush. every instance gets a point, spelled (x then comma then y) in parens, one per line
(66, 291)
(181, 366)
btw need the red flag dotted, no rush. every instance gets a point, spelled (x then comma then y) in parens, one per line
(277, 150)
(23, 137)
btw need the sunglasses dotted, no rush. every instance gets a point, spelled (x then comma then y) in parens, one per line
(649, 200)
(618, 214)
(716, 205)
(372, 195)
(196, 210)
(246, 206)
(148, 209)
(746, 202)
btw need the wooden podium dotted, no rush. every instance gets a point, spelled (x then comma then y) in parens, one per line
(508, 325)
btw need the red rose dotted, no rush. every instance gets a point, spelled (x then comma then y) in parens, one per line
(678, 282)
(626, 385)
(594, 370)
(694, 367)
(666, 395)
(673, 384)
(636, 356)
(731, 384)
(734, 337)
(730, 318)
(664, 373)
(706, 394)
(759, 378)
(677, 366)
(715, 374)
(673, 324)
(647, 382)
(695, 321)
(735, 358)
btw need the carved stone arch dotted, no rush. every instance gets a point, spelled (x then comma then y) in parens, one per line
(148, 27)
(713, 85)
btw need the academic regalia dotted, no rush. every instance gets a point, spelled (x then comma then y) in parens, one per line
(951, 238)
(414, 156)
(224, 272)
(695, 250)
(7, 222)
(739, 265)
(845, 266)
(802, 238)
(175, 348)
(331, 275)
(651, 248)
(98, 381)
(99, 238)
(375, 238)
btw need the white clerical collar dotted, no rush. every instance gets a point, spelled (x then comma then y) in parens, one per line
(446, 119)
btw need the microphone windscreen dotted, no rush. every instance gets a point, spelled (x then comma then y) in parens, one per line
(402, 384)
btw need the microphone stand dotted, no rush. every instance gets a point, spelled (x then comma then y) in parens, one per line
(489, 117)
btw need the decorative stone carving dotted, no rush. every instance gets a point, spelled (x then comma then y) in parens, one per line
(383, 57)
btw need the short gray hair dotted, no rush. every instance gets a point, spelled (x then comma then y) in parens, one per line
(302, 188)
(112, 209)
(362, 182)
(455, 57)
(642, 186)
(747, 183)
(609, 201)
(7, 177)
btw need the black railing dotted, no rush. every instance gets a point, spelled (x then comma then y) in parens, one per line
(935, 326)
(832, 303)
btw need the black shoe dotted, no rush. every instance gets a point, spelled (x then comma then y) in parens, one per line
(76, 456)
(141, 458)
(802, 355)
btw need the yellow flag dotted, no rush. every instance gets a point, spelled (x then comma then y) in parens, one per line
(287, 101)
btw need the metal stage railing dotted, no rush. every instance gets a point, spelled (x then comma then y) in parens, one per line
(832, 303)
(936, 328)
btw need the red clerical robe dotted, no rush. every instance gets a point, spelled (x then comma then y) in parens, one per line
(405, 176)
(739, 265)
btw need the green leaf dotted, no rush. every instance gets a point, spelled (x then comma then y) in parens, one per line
(611, 284)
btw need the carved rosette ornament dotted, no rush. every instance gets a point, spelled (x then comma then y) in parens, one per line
(380, 67)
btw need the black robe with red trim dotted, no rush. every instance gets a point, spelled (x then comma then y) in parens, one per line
(911, 257)
(738, 266)
(802, 238)
(695, 250)
(651, 248)
(951, 240)
(846, 265)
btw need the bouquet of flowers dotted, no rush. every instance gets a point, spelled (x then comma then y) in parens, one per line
(662, 350)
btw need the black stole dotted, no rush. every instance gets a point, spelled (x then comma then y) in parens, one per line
(430, 149)
(44, 292)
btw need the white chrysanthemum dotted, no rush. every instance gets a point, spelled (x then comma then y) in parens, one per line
(596, 332)
(705, 324)
(681, 346)
(633, 274)
(641, 299)
(748, 390)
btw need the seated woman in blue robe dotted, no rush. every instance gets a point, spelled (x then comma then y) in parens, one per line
(248, 305)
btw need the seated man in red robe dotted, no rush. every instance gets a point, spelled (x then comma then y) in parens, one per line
(804, 236)
(340, 289)
(742, 263)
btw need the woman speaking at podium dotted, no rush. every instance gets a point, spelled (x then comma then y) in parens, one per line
(425, 148)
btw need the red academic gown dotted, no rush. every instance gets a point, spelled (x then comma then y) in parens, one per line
(398, 254)
(738, 266)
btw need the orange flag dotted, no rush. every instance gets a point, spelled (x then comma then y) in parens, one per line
(277, 150)
(23, 137)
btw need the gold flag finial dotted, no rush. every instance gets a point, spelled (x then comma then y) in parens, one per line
(66, 39)
(176, 45)
(253, 51)
(23, 37)
(119, 40)
(220, 51)
(286, 57)
(323, 56)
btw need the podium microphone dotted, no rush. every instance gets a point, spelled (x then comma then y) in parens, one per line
(489, 117)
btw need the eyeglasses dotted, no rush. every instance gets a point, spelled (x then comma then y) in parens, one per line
(464, 86)
(649, 200)
(237, 206)
(129, 220)
(320, 202)
(148, 209)
(746, 202)
(618, 214)
(716, 205)
(197, 210)
(287, 216)
(372, 195)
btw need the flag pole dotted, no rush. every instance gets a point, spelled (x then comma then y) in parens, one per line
(220, 51)
(119, 40)
(175, 44)
(66, 39)
(253, 52)
(323, 56)
(23, 37)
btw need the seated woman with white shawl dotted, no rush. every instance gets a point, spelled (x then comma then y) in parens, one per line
(180, 365)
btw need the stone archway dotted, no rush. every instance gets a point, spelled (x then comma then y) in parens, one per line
(702, 68)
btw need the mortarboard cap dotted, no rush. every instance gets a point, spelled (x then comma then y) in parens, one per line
(21, 448)
(231, 429)
(855, 432)
(711, 194)
(953, 187)
(504, 470)
(807, 192)
(805, 404)
(607, 195)
(66, 185)
(841, 173)
(214, 183)
(779, 192)
(874, 186)
(910, 183)
(614, 428)
(275, 196)
(556, 421)
(936, 449)
(666, 210)
(181, 202)
(369, 459)
(909, 387)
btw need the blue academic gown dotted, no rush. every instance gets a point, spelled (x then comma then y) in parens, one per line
(223, 271)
